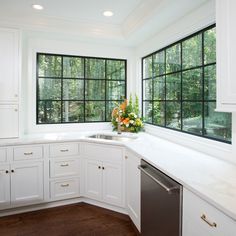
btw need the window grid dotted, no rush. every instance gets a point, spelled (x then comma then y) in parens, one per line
(84, 79)
(203, 100)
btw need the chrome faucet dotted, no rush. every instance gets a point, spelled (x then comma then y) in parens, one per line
(119, 131)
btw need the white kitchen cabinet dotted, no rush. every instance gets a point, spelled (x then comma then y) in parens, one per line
(133, 191)
(201, 218)
(4, 186)
(9, 121)
(226, 51)
(26, 183)
(9, 65)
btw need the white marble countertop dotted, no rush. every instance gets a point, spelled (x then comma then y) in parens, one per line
(212, 179)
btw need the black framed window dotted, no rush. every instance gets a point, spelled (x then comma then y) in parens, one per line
(75, 89)
(179, 88)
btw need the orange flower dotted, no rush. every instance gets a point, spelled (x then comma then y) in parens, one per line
(123, 105)
(126, 121)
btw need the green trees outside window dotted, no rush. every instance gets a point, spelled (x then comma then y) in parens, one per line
(179, 88)
(74, 89)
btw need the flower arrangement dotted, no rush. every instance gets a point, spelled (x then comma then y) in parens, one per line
(127, 114)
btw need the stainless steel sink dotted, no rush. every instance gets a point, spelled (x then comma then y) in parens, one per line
(112, 137)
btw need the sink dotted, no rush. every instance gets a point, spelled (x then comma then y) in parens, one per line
(112, 137)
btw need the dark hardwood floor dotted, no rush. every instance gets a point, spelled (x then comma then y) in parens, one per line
(72, 220)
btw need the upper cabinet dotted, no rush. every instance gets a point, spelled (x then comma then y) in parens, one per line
(9, 65)
(226, 55)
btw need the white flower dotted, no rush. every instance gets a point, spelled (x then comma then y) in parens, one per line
(127, 125)
(117, 119)
(121, 123)
(135, 116)
(131, 121)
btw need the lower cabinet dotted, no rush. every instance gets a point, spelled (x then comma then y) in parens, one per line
(133, 190)
(21, 184)
(104, 181)
(201, 218)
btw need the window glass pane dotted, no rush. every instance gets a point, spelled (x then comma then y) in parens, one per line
(159, 88)
(147, 67)
(49, 112)
(173, 58)
(73, 111)
(95, 89)
(49, 89)
(147, 89)
(159, 113)
(192, 84)
(49, 66)
(210, 46)
(73, 89)
(110, 106)
(173, 115)
(173, 86)
(73, 67)
(217, 124)
(115, 70)
(210, 82)
(147, 111)
(192, 52)
(94, 111)
(95, 68)
(115, 90)
(192, 117)
(159, 63)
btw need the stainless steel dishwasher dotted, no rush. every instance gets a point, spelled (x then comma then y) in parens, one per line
(161, 203)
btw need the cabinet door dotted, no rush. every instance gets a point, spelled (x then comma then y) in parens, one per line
(112, 184)
(226, 51)
(133, 188)
(9, 121)
(9, 65)
(4, 186)
(27, 183)
(93, 179)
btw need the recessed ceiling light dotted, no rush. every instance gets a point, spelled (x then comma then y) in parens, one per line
(37, 7)
(108, 13)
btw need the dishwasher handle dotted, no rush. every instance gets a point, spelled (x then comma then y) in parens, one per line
(168, 189)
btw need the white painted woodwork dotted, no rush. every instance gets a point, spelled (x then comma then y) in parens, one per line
(194, 207)
(226, 51)
(9, 121)
(4, 186)
(27, 152)
(64, 167)
(9, 65)
(63, 189)
(64, 149)
(93, 179)
(133, 188)
(112, 183)
(3, 154)
(26, 182)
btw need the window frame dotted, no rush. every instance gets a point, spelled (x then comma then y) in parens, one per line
(201, 68)
(84, 100)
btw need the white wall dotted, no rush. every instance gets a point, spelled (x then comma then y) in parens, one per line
(196, 20)
(34, 42)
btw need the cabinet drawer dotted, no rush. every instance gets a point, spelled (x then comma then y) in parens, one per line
(64, 149)
(201, 218)
(28, 153)
(102, 152)
(3, 154)
(64, 167)
(63, 189)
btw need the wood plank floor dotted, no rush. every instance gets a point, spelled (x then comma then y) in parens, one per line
(72, 220)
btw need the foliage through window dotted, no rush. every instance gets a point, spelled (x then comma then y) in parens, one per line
(179, 88)
(74, 89)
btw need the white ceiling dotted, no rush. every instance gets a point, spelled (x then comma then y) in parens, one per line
(84, 17)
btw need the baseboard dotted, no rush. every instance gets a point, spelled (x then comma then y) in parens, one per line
(42, 206)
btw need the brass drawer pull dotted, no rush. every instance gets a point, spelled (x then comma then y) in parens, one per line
(204, 218)
(64, 165)
(64, 150)
(28, 153)
(65, 185)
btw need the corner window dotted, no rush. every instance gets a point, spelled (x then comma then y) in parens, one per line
(179, 88)
(74, 89)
